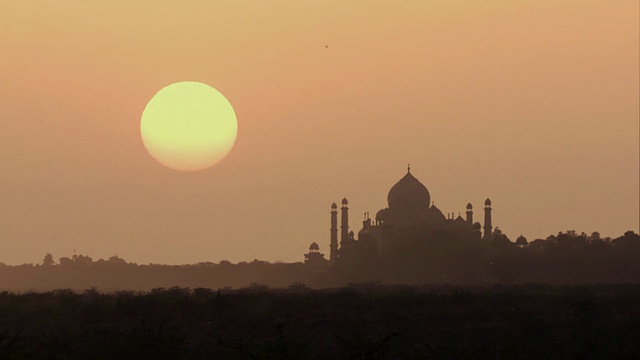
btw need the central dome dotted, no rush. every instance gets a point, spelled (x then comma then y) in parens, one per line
(409, 194)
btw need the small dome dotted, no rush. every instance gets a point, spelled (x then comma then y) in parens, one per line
(345, 201)
(521, 239)
(334, 206)
(469, 206)
(460, 222)
(409, 194)
(487, 202)
(314, 246)
(382, 215)
(434, 215)
(476, 226)
(351, 234)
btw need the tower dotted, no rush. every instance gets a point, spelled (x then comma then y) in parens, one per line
(344, 226)
(487, 219)
(333, 245)
(366, 223)
(469, 214)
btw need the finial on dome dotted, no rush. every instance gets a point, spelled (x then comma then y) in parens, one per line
(409, 168)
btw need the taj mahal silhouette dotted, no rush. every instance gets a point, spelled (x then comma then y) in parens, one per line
(410, 214)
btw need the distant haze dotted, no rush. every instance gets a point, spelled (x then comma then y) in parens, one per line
(534, 104)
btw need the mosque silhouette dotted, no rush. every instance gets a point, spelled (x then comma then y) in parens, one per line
(410, 214)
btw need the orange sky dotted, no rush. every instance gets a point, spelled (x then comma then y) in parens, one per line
(534, 104)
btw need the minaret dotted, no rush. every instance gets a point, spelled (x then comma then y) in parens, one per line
(366, 224)
(344, 227)
(333, 246)
(469, 214)
(487, 219)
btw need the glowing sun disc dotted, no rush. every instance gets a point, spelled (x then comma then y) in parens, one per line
(188, 126)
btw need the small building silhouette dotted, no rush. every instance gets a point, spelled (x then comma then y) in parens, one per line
(314, 257)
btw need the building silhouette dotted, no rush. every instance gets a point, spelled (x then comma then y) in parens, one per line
(410, 214)
(314, 257)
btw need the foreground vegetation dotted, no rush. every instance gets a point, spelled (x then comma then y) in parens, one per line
(354, 322)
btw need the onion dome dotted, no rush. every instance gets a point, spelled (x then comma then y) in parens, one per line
(314, 247)
(487, 202)
(469, 206)
(382, 215)
(476, 226)
(460, 222)
(409, 194)
(334, 206)
(345, 201)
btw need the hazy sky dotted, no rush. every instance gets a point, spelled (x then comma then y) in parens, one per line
(534, 104)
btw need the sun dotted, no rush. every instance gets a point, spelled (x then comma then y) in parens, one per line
(188, 126)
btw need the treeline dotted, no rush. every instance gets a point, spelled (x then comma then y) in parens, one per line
(355, 322)
(440, 258)
(450, 258)
(573, 258)
(81, 272)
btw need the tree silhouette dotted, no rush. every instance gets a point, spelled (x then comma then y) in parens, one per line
(48, 260)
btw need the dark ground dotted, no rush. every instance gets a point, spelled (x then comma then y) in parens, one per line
(356, 322)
